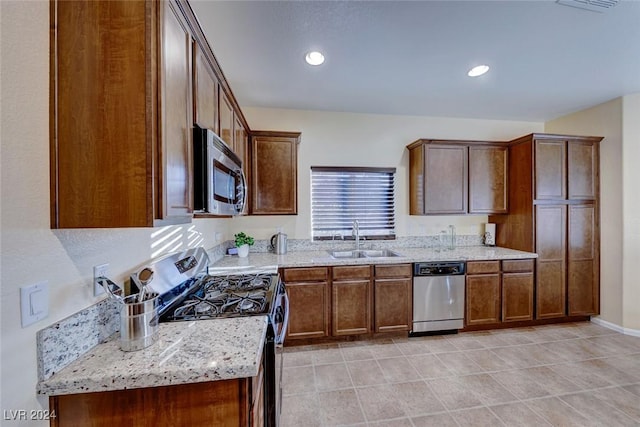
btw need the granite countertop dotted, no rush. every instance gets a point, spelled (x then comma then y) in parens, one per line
(408, 255)
(186, 352)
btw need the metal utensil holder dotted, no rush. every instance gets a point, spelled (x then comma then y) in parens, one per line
(138, 323)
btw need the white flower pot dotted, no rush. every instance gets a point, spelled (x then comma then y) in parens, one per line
(243, 251)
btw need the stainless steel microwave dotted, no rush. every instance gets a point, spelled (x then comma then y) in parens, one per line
(219, 182)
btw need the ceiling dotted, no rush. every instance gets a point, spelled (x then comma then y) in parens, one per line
(411, 58)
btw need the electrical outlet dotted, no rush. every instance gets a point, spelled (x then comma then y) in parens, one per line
(99, 271)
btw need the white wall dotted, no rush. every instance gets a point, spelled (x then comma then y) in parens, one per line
(347, 139)
(617, 121)
(30, 250)
(631, 209)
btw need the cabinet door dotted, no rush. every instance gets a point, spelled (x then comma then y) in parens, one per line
(583, 265)
(550, 169)
(517, 296)
(176, 115)
(445, 179)
(351, 307)
(488, 179)
(226, 121)
(274, 175)
(483, 299)
(393, 302)
(205, 91)
(582, 169)
(551, 246)
(308, 309)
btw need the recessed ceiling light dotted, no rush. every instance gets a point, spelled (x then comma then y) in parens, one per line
(478, 71)
(314, 58)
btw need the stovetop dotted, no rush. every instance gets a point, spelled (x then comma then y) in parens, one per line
(230, 295)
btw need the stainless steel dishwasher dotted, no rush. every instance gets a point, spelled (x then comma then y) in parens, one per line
(438, 296)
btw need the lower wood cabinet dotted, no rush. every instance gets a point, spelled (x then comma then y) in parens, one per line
(351, 303)
(517, 290)
(393, 295)
(214, 403)
(499, 292)
(348, 300)
(309, 302)
(482, 293)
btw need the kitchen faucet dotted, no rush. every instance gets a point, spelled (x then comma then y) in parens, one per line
(356, 233)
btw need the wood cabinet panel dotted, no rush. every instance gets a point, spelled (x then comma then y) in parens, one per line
(482, 299)
(582, 170)
(481, 267)
(214, 403)
(550, 169)
(551, 247)
(351, 307)
(517, 265)
(351, 272)
(176, 115)
(488, 179)
(309, 304)
(583, 269)
(306, 274)
(517, 296)
(97, 81)
(393, 304)
(226, 121)
(416, 180)
(274, 173)
(205, 90)
(445, 179)
(393, 270)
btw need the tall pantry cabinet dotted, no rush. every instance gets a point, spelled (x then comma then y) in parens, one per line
(553, 211)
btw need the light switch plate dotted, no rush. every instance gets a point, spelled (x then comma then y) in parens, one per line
(34, 303)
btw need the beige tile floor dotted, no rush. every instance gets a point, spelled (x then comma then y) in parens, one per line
(576, 374)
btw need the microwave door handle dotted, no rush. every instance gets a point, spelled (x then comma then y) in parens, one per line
(243, 186)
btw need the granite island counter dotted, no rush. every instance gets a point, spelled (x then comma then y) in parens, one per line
(197, 370)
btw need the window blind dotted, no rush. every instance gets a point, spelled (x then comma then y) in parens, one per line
(340, 195)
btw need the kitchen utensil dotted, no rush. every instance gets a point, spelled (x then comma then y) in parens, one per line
(144, 277)
(279, 243)
(114, 291)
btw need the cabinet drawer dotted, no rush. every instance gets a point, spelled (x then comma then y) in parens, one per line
(481, 267)
(351, 272)
(509, 266)
(399, 270)
(306, 274)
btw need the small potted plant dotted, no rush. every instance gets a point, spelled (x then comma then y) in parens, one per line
(243, 241)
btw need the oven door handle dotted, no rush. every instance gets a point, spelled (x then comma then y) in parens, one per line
(279, 341)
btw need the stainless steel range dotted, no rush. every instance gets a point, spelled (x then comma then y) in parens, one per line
(197, 294)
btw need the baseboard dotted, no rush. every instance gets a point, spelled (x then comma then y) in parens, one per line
(617, 328)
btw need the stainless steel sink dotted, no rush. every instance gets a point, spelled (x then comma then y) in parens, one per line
(370, 253)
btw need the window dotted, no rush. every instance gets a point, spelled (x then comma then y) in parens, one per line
(340, 195)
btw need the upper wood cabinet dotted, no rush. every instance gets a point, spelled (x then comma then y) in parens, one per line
(488, 171)
(226, 121)
(205, 90)
(566, 169)
(175, 115)
(457, 177)
(128, 81)
(274, 173)
(121, 114)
